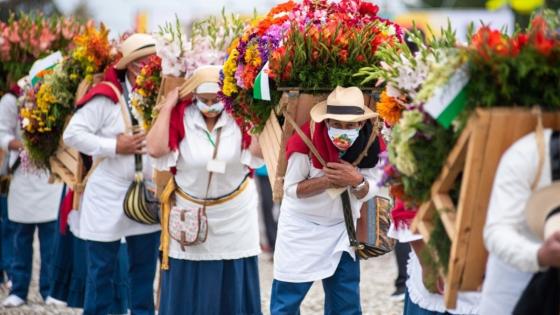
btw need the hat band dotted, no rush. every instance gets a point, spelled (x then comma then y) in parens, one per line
(344, 110)
(146, 46)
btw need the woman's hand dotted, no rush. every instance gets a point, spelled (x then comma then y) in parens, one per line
(343, 174)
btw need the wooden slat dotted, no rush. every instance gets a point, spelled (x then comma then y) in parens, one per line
(471, 181)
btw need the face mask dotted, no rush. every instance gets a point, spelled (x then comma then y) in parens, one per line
(215, 108)
(343, 138)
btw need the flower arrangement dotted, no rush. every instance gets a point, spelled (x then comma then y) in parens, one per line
(145, 91)
(26, 37)
(171, 47)
(418, 145)
(507, 70)
(45, 108)
(313, 44)
(521, 69)
(210, 38)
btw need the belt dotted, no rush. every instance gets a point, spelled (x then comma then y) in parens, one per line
(214, 201)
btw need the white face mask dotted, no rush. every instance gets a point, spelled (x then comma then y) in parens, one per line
(215, 108)
(343, 138)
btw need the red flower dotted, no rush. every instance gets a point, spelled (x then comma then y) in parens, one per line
(543, 44)
(367, 8)
(487, 40)
(360, 58)
(343, 55)
(517, 43)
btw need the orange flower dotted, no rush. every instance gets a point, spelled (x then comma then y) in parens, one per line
(389, 109)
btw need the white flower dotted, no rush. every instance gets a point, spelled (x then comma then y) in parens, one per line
(25, 122)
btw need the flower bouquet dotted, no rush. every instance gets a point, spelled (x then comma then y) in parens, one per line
(25, 38)
(291, 59)
(145, 92)
(313, 45)
(43, 119)
(428, 156)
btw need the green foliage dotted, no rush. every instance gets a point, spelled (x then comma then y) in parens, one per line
(430, 148)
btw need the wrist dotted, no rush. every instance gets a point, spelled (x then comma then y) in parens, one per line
(359, 182)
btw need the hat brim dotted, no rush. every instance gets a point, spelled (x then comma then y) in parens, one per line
(539, 206)
(319, 114)
(140, 53)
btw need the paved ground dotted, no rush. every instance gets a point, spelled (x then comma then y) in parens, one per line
(376, 286)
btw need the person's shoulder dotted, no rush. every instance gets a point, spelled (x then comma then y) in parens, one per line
(99, 101)
(528, 145)
(524, 153)
(8, 98)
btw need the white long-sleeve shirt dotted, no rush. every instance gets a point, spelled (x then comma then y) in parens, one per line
(506, 233)
(311, 231)
(31, 198)
(512, 246)
(93, 130)
(233, 230)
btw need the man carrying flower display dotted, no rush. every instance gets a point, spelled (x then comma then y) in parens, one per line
(98, 129)
(32, 205)
(312, 241)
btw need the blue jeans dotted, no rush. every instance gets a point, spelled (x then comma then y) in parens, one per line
(342, 291)
(7, 231)
(102, 260)
(23, 262)
(412, 309)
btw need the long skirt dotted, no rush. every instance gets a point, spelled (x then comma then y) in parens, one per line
(69, 273)
(212, 287)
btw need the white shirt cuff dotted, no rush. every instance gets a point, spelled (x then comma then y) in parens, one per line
(165, 162)
(108, 146)
(5, 142)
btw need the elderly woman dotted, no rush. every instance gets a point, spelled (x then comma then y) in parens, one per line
(312, 242)
(210, 236)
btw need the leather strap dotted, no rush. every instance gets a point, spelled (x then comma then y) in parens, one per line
(211, 174)
(305, 139)
(131, 125)
(13, 168)
(539, 134)
(309, 143)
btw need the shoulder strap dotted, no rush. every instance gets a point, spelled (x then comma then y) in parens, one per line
(305, 139)
(13, 168)
(539, 134)
(210, 174)
(124, 110)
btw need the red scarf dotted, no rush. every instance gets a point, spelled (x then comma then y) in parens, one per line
(177, 126)
(402, 217)
(103, 89)
(15, 90)
(321, 141)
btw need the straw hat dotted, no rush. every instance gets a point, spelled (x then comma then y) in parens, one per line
(206, 77)
(542, 210)
(343, 104)
(135, 47)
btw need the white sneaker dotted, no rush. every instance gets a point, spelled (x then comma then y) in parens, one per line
(52, 301)
(13, 301)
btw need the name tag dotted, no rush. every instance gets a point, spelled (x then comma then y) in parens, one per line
(216, 166)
